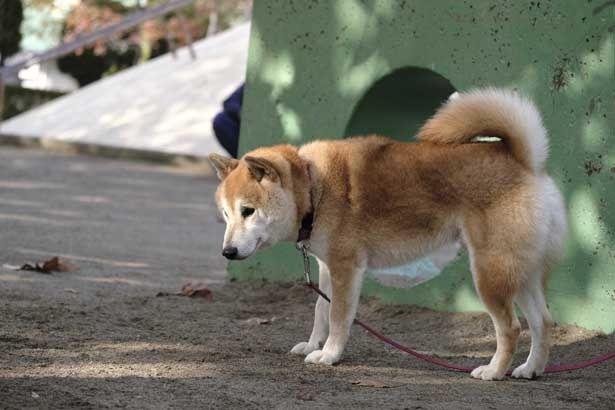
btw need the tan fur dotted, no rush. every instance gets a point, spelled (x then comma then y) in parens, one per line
(380, 202)
(291, 170)
(496, 113)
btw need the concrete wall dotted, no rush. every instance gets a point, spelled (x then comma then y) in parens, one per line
(316, 69)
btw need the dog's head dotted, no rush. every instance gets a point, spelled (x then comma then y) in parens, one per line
(259, 209)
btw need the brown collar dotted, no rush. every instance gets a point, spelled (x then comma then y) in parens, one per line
(307, 221)
(306, 227)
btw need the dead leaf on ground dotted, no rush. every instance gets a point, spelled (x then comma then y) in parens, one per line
(195, 290)
(190, 290)
(51, 265)
(375, 384)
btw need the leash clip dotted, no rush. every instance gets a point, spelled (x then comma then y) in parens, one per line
(304, 246)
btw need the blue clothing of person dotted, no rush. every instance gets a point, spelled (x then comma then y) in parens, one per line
(226, 123)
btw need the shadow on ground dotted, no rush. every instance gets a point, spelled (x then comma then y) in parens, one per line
(172, 352)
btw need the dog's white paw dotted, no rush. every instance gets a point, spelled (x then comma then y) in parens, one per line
(304, 348)
(525, 371)
(322, 357)
(487, 372)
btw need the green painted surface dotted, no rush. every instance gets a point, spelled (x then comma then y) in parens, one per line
(311, 64)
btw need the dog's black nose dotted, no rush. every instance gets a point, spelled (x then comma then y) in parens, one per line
(229, 252)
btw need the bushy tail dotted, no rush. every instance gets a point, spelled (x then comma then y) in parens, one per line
(496, 113)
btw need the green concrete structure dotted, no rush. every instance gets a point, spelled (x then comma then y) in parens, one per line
(330, 69)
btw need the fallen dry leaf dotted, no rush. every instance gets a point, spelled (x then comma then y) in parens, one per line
(194, 291)
(52, 265)
(190, 290)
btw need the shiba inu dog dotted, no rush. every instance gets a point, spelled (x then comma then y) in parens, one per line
(377, 202)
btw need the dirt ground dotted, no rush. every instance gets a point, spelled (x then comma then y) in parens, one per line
(99, 337)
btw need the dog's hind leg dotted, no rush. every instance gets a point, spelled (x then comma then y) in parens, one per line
(531, 301)
(346, 281)
(495, 282)
(531, 297)
(321, 315)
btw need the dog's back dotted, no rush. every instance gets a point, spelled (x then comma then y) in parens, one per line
(407, 198)
(375, 187)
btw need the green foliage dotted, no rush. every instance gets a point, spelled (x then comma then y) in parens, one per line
(11, 15)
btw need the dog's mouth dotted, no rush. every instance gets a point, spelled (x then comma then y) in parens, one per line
(259, 244)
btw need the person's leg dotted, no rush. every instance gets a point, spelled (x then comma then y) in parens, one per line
(227, 133)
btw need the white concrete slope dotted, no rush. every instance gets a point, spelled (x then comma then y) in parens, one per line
(165, 105)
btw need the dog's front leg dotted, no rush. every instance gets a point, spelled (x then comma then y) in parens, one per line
(321, 315)
(346, 280)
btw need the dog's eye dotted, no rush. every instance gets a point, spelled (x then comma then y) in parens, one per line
(245, 211)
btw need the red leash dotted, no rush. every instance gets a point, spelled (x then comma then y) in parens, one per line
(551, 369)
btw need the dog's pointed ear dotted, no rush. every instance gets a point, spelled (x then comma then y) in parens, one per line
(261, 168)
(223, 165)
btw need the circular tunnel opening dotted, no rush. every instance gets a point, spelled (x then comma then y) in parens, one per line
(399, 103)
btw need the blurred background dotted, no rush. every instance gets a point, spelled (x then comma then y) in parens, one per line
(34, 26)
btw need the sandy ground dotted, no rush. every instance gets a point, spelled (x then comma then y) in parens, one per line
(99, 337)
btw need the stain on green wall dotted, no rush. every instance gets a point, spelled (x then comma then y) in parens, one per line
(311, 63)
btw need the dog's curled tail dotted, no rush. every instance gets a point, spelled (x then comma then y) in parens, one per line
(495, 113)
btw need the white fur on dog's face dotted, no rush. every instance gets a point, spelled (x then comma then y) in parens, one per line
(247, 233)
(273, 219)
